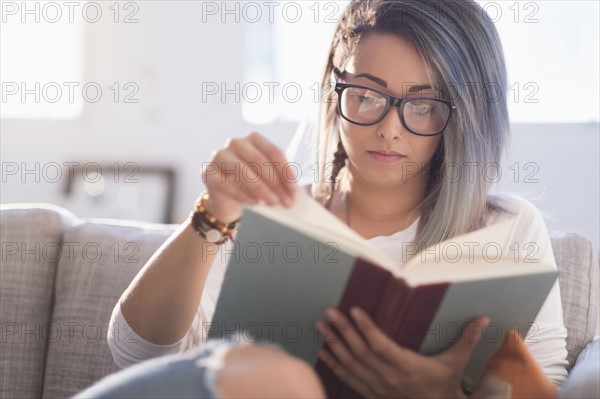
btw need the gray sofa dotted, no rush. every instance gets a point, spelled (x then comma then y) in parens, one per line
(60, 277)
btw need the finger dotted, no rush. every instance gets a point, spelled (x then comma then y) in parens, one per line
(353, 365)
(215, 183)
(460, 352)
(258, 167)
(365, 339)
(284, 173)
(383, 346)
(343, 375)
(229, 174)
(328, 331)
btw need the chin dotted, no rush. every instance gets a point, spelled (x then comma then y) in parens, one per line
(388, 175)
(388, 179)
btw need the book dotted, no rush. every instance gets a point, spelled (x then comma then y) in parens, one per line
(288, 264)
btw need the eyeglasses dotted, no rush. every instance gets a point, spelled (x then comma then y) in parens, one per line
(419, 115)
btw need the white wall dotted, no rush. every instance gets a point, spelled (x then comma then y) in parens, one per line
(169, 54)
(559, 168)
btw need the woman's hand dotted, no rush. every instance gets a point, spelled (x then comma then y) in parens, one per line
(375, 366)
(247, 170)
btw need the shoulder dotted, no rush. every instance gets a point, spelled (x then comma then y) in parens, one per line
(508, 205)
(529, 235)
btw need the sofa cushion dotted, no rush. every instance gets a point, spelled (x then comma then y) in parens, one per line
(583, 380)
(30, 236)
(90, 280)
(578, 278)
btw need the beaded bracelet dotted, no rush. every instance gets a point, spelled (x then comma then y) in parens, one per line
(208, 226)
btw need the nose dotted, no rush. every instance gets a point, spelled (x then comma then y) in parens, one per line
(391, 127)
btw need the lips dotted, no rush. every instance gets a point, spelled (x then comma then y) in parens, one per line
(383, 152)
(385, 156)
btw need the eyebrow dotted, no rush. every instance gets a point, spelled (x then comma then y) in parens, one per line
(383, 83)
(375, 79)
(416, 88)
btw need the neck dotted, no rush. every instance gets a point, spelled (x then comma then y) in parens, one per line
(389, 206)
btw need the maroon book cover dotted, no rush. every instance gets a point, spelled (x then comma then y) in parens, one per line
(391, 307)
(412, 327)
(364, 289)
(402, 312)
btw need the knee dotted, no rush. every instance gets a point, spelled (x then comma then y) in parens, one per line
(263, 372)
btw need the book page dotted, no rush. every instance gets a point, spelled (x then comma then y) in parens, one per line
(464, 258)
(310, 217)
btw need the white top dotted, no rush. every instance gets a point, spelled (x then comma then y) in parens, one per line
(547, 344)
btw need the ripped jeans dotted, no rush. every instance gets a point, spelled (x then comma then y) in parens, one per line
(180, 375)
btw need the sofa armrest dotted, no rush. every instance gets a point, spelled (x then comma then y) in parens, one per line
(583, 379)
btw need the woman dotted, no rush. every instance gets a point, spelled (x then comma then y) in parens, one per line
(413, 84)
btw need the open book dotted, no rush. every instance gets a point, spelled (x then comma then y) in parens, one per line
(288, 264)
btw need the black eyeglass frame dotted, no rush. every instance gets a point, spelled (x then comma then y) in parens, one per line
(391, 101)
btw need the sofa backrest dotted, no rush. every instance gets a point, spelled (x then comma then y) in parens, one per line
(64, 299)
(29, 251)
(89, 282)
(55, 308)
(578, 279)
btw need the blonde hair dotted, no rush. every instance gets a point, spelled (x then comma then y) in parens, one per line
(461, 50)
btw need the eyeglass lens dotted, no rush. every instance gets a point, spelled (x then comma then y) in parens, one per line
(423, 116)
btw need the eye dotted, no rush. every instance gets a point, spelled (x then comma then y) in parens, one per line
(421, 107)
(366, 99)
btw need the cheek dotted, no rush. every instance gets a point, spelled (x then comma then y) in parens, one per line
(427, 147)
(351, 136)
(355, 140)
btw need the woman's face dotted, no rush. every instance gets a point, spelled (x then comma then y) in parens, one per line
(391, 65)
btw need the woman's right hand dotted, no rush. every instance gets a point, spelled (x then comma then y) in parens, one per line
(247, 170)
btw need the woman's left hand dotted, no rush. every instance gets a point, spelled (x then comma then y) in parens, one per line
(375, 366)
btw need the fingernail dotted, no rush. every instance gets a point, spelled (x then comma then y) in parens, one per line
(355, 312)
(331, 314)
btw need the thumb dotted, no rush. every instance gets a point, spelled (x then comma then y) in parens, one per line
(460, 352)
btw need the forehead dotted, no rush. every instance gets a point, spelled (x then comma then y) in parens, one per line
(390, 58)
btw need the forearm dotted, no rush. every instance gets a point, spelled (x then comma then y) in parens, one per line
(161, 301)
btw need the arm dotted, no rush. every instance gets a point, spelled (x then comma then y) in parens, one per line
(546, 339)
(128, 348)
(162, 301)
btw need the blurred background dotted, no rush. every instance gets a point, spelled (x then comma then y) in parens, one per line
(110, 108)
